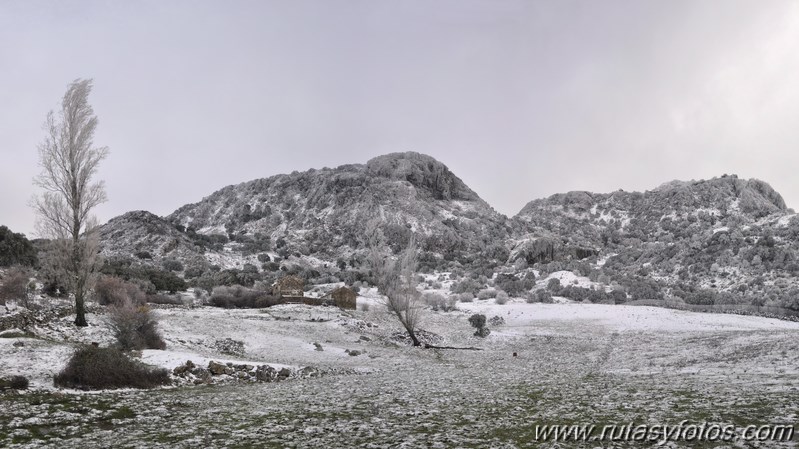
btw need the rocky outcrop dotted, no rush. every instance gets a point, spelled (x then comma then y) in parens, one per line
(141, 235)
(218, 372)
(423, 172)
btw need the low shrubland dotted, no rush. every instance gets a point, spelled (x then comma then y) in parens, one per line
(95, 368)
(238, 297)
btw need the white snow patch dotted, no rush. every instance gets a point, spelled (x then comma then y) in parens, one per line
(568, 278)
(623, 318)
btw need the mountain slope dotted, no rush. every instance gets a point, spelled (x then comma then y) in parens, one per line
(145, 235)
(725, 240)
(325, 212)
(689, 240)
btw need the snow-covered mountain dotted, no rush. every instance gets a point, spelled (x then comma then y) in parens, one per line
(687, 240)
(324, 214)
(690, 240)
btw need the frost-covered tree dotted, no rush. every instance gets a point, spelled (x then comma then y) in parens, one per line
(397, 280)
(69, 160)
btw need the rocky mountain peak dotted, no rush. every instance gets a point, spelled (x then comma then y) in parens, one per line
(423, 172)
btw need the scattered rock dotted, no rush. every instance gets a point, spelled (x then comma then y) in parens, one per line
(182, 369)
(318, 346)
(353, 353)
(265, 373)
(308, 372)
(230, 346)
(217, 368)
(496, 321)
(219, 373)
(423, 336)
(203, 375)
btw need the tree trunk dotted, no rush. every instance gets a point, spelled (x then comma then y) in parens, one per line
(80, 309)
(413, 337)
(77, 267)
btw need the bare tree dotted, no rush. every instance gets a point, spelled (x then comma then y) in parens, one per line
(397, 280)
(69, 160)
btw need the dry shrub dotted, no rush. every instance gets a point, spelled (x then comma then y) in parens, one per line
(465, 297)
(135, 327)
(165, 299)
(238, 297)
(14, 285)
(438, 302)
(502, 298)
(487, 294)
(94, 368)
(111, 290)
(14, 383)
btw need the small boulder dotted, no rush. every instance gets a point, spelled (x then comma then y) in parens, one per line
(181, 370)
(265, 373)
(203, 376)
(309, 371)
(217, 368)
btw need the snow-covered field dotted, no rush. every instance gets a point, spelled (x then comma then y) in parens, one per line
(573, 364)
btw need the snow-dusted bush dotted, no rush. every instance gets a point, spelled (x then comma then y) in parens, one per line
(14, 383)
(467, 285)
(487, 293)
(515, 285)
(541, 295)
(502, 298)
(238, 297)
(14, 285)
(437, 301)
(478, 321)
(15, 249)
(135, 327)
(164, 299)
(172, 265)
(94, 368)
(111, 290)
(466, 297)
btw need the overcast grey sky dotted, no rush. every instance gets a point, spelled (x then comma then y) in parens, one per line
(521, 99)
